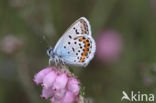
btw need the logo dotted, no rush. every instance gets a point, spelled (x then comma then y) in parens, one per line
(137, 96)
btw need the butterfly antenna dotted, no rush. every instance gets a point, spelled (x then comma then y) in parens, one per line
(46, 40)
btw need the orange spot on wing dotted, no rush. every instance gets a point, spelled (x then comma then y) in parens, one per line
(81, 39)
(86, 46)
(83, 54)
(85, 49)
(82, 59)
(85, 42)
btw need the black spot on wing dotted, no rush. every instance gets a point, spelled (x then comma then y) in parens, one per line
(76, 31)
(68, 42)
(70, 36)
(73, 49)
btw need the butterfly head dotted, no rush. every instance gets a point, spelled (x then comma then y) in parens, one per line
(50, 52)
(53, 56)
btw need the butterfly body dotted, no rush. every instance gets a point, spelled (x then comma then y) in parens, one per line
(76, 46)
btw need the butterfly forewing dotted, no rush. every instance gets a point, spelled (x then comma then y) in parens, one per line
(79, 27)
(76, 46)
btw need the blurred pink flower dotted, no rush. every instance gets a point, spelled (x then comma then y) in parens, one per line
(109, 46)
(10, 44)
(147, 81)
(58, 84)
(153, 5)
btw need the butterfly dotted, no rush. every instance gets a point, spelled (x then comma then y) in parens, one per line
(76, 46)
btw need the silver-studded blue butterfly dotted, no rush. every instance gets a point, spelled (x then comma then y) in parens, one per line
(76, 47)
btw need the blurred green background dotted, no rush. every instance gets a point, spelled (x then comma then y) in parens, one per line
(25, 23)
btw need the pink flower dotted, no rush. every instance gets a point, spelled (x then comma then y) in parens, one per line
(60, 81)
(73, 85)
(46, 93)
(68, 98)
(54, 100)
(109, 46)
(38, 78)
(60, 93)
(49, 79)
(58, 84)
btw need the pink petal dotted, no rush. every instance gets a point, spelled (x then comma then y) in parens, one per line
(60, 93)
(54, 100)
(68, 98)
(38, 78)
(60, 81)
(49, 79)
(46, 93)
(73, 86)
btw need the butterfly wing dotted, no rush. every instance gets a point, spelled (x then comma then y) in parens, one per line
(76, 46)
(79, 27)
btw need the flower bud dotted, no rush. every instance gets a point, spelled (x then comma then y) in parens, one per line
(46, 93)
(73, 86)
(49, 79)
(38, 78)
(54, 100)
(68, 98)
(60, 81)
(60, 93)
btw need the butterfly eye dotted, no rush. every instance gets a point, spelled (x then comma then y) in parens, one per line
(49, 51)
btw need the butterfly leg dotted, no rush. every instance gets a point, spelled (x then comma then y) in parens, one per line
(62, 62)
(50, 60)
(59, 61)
(56, 63)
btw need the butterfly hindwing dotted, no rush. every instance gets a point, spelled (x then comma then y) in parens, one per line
(79, 51)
